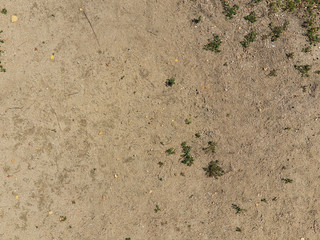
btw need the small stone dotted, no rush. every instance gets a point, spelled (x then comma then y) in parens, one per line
(14, 18)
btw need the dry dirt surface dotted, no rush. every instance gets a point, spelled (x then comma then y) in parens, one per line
(87, 114)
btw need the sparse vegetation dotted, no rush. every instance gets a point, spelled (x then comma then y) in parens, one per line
(157, 209)
(186, 156)
(4, 11)
(238, 209)
(228, 11)
(303, 69)
(213, 170)
(213, 44)
(188, 121)
(249, 38)
(306, 49)
(251, 17)
(276, 31)
(287, 180)
(170, 82)
(197, 20)
(313, 36)
(238, 229)
(62, 218)
(170, 151)
(274, 6)
(211, 147)
(290, 55)
(2, 69)
(289, 5)
(198, 135)
(273, 73)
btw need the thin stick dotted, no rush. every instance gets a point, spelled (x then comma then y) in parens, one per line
(94, 33)
(54, 112)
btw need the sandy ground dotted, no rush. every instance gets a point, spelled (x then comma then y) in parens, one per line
(86, 117)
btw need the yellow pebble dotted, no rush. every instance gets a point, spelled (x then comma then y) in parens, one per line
(52, 57)
(116, 176)
(17, 197)
(176, 60)
(14, 18)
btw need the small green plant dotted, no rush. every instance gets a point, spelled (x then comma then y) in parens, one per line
(62, 218)
(274, 199)
(4, 11)
(251, 17)
(186, 157)
(276, 31)
(238, 209)
(213, 170)
(157, 209)
(73, 202)
(127, 238)
(198, 135)
(306, 49)
(170, 82)
(160, 164)
(313, 36)
(256, 1)
(290, 5)
(2, 69)
(303, 69)
(213, 44)
(188, 121)
(228, 11)
(170, 151)
(211, 147)
(274, 6)
(290, 55)
(197, 20)
(238, 229)
(249, 38)
(264, 200)
(317, 72)
(273, 73)
(287, 180)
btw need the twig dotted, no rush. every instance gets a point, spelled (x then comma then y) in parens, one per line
(12, 108)
(56, 117)
(94, 33)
